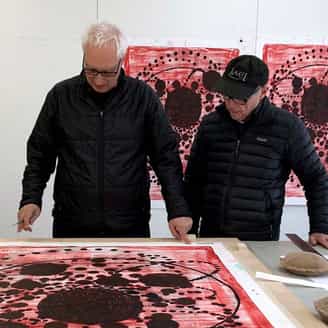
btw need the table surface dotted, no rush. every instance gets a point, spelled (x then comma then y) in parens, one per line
(295, 301)
(269, 254)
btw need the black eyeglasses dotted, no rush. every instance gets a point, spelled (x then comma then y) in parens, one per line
(239, 101)
(92, 72)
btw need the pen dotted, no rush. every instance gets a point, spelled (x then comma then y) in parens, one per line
(17, 223)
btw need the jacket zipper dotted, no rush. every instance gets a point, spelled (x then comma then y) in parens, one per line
(100, 165)
(269, 209)
(237, 149)
(226, 201)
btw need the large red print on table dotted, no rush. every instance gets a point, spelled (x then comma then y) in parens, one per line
(299, 84)
(120, 287)
(184, 79)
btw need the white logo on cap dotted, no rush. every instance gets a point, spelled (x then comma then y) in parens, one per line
(238, 75)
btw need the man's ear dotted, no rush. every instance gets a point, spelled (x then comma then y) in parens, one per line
(124, 61)
(264, 91)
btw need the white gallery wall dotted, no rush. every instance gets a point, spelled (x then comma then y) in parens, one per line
(40, 45)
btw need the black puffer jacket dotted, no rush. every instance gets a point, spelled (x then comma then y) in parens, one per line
(236, 175)
(102, 175)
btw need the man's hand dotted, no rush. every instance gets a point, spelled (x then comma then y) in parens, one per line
(319, 239)
(179, 228)
(26, 216)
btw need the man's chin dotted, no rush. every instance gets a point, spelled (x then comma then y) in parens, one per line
(235, 117)
(101, 90)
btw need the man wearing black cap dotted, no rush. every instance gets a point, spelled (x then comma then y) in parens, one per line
(241, 159)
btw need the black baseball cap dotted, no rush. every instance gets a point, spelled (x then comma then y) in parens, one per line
(242, 76)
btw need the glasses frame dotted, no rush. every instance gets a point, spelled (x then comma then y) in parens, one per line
(239, 101)
(93, 73)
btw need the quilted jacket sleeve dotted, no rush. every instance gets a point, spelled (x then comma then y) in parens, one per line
(306, 164)
(194, 178)
(41, 154)
(164, 158)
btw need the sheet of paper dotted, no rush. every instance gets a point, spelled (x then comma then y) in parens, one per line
(208, 269)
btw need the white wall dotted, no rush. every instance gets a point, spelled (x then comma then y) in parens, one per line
(41, 45)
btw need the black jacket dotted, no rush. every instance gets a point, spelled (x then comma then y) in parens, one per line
(101, 153)
(236, 175)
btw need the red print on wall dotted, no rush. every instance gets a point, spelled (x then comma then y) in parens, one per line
(299, 84)
(120, 287)
(184, 79)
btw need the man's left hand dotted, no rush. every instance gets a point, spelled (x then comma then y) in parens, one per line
(179, 228)
(319, 239)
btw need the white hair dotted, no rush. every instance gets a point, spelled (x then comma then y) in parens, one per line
(99, 35)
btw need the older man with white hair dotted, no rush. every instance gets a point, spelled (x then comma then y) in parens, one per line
(101, 127)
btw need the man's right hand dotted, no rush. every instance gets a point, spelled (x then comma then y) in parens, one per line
(26, 216)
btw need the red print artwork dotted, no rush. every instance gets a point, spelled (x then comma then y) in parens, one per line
(185, 80)
(299, 84)
(121, 287)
